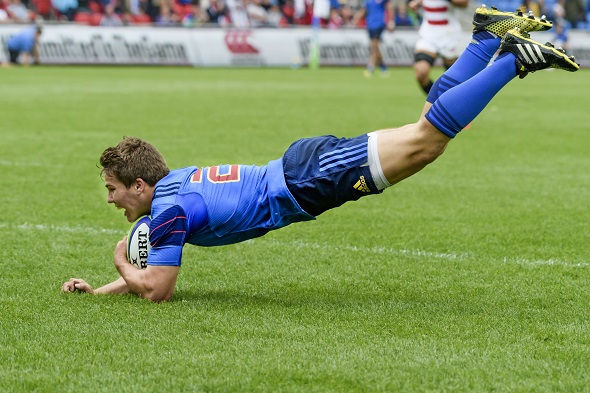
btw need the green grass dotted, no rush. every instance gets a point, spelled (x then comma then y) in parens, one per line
(471, 276)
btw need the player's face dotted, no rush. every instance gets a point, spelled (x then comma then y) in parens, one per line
(123, 197)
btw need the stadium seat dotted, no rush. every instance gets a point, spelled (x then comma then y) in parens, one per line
(181, 10)
(95, 18)
(141, 19)
(82, 18)
(95, 7)
(42, 7)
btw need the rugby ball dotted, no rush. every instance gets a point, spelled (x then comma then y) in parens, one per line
(138, 242)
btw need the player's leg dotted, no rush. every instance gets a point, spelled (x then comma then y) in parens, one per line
(423, 61)
(14, 55)
(373, 56)
(379, 58)
(405, 151)
(489, 26)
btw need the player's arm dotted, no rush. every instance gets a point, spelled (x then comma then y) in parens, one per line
(118, 286)
(155, 283)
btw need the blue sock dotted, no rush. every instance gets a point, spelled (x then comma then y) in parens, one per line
(474, 58)
(458, 106)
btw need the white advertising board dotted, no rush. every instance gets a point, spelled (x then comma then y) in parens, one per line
(210, 47)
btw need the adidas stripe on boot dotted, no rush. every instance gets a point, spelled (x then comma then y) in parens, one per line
(533, 56)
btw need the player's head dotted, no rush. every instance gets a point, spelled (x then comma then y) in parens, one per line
(132, 159)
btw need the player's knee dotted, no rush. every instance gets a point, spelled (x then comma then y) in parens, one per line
(433, 143)
(421, 72)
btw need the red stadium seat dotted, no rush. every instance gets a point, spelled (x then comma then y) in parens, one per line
(95, 7)
(95, 19)
(82, 18)
(42, 7)
(141, 19)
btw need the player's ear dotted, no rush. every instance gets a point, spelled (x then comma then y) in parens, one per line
(139, 185)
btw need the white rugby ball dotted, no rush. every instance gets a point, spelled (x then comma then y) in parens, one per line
(138, 242)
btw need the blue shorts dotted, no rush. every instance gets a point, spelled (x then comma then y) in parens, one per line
(326, 171)
(376, 33)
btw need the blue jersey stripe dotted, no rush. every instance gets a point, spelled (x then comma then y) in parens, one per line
(160, 195)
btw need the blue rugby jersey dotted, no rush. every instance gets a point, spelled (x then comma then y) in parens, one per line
(23, 41)
(376, 13)
(218, 205)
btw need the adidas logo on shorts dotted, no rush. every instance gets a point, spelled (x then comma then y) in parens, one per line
(361, 185)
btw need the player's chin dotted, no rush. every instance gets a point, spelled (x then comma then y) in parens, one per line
(130, 217)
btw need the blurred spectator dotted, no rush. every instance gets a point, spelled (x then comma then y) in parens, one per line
(110, 18)
(67, 8)
(560, 38)
(256, 13)
(558, 11)
(238, 14)
(335, 21)
(216, 13)
(303, 11)
(4, 16)
(532, 5)
(288, 11)
(574, 12)
(166, 17)
(303, 15)
(347, 15)
(17, 11)
(191, 14)
(275, 17)
(405, 17)
(24, 45)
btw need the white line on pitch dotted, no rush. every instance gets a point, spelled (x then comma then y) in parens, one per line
(313, 245)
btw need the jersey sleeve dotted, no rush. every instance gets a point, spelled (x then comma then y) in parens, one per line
(167, 235)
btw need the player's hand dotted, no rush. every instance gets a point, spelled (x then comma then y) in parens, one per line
(76, 284)
(121, 251)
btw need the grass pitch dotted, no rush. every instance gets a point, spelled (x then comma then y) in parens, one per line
(471, 276)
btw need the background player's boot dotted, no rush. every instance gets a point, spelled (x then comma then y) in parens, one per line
(499, 22)
(533, 56)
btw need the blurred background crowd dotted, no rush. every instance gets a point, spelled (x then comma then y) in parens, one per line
(249, 13)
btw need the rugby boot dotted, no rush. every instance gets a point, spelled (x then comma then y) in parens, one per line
(533, 56)
(500, 22)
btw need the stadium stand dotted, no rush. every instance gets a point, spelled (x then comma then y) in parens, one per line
(195, 13)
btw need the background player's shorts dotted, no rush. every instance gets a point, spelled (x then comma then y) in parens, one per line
(325, 172)
(376, 33)
(443, 40)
